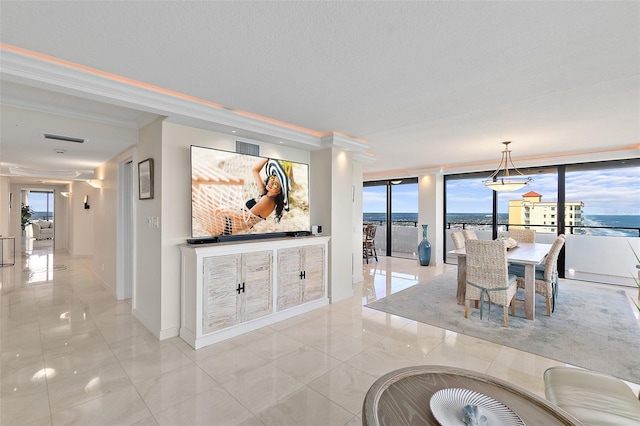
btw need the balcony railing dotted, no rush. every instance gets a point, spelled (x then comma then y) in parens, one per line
(571, 229)
(596, 258)
(603, 259)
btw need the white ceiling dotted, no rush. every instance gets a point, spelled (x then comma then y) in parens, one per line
(426, 84)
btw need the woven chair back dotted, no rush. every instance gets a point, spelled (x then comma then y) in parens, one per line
(487, 263)
(458, 239)
(469, 234)
(551, 262)
(370, 232)
(523, 235)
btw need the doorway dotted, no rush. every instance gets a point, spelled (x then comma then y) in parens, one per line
(392, 206)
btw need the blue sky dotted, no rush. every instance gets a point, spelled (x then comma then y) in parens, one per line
(38, 202)
(404, 198)
(610, 191)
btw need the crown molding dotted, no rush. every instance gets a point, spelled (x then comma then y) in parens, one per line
(605, 154)
(339, 140)
(364, 157)
(32, 69)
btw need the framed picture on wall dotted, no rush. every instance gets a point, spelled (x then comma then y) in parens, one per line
(145, 179)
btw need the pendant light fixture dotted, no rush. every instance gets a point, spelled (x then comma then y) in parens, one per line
(501, 180)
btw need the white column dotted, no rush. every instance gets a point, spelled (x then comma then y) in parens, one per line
(331, 200)
(430, 212)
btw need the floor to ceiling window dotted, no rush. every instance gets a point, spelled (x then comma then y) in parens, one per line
(396, 199)
(533, 207)
(603, 198)
(597, 205)
(468, 205)
(41, 202)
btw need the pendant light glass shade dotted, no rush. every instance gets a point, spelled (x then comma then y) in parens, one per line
(501, 180)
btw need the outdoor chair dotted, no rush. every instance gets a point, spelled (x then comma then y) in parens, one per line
(523, 235)
(369, 243)
(488, 278)
(546, 279)
(458, 239)
(469, 234)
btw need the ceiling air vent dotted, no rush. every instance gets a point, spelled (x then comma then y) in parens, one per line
(247, 148)
(63, 138)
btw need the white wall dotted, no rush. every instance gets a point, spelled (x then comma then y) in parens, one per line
(4, 205)
(356, 220)
(608, 260)
(175, 206)
(62, 224)
(104, 205)
(332, 207)
(81, 231)
(148, 252)
(342, 229)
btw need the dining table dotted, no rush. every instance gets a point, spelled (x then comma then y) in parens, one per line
(431, 395)
(527, 254)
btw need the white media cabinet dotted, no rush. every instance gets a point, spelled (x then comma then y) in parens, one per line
(230, 288)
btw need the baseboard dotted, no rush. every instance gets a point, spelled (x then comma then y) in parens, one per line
(146, 322)
(169, 333)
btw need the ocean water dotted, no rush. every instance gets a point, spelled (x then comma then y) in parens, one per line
(627, 225)
(621, 221)
(41, 215)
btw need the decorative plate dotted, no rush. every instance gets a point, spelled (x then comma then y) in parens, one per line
(446, 406)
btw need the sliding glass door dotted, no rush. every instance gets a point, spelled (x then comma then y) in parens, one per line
(392, 205)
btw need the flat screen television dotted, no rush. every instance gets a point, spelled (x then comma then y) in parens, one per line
(239, 196)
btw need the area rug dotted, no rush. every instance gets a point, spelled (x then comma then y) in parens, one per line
(592, 327)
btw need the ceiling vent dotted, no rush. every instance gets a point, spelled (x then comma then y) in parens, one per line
(247, 148)
(63, 138)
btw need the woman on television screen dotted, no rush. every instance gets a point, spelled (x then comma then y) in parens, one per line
(273, 196)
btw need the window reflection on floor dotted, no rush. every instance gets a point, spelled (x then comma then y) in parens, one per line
(381, 282)
(38, 267)
(391, 275)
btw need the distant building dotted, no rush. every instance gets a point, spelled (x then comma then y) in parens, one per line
(531, 210)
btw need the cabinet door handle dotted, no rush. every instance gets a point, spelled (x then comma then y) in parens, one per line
(303, 275)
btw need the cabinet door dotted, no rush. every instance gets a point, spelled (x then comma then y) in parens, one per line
(257, 299)
(220, 299)
(313, 267)
(289, 287)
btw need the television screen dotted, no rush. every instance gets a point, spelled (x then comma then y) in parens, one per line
(236, 194)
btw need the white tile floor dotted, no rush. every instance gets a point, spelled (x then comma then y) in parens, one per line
(73, 355)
